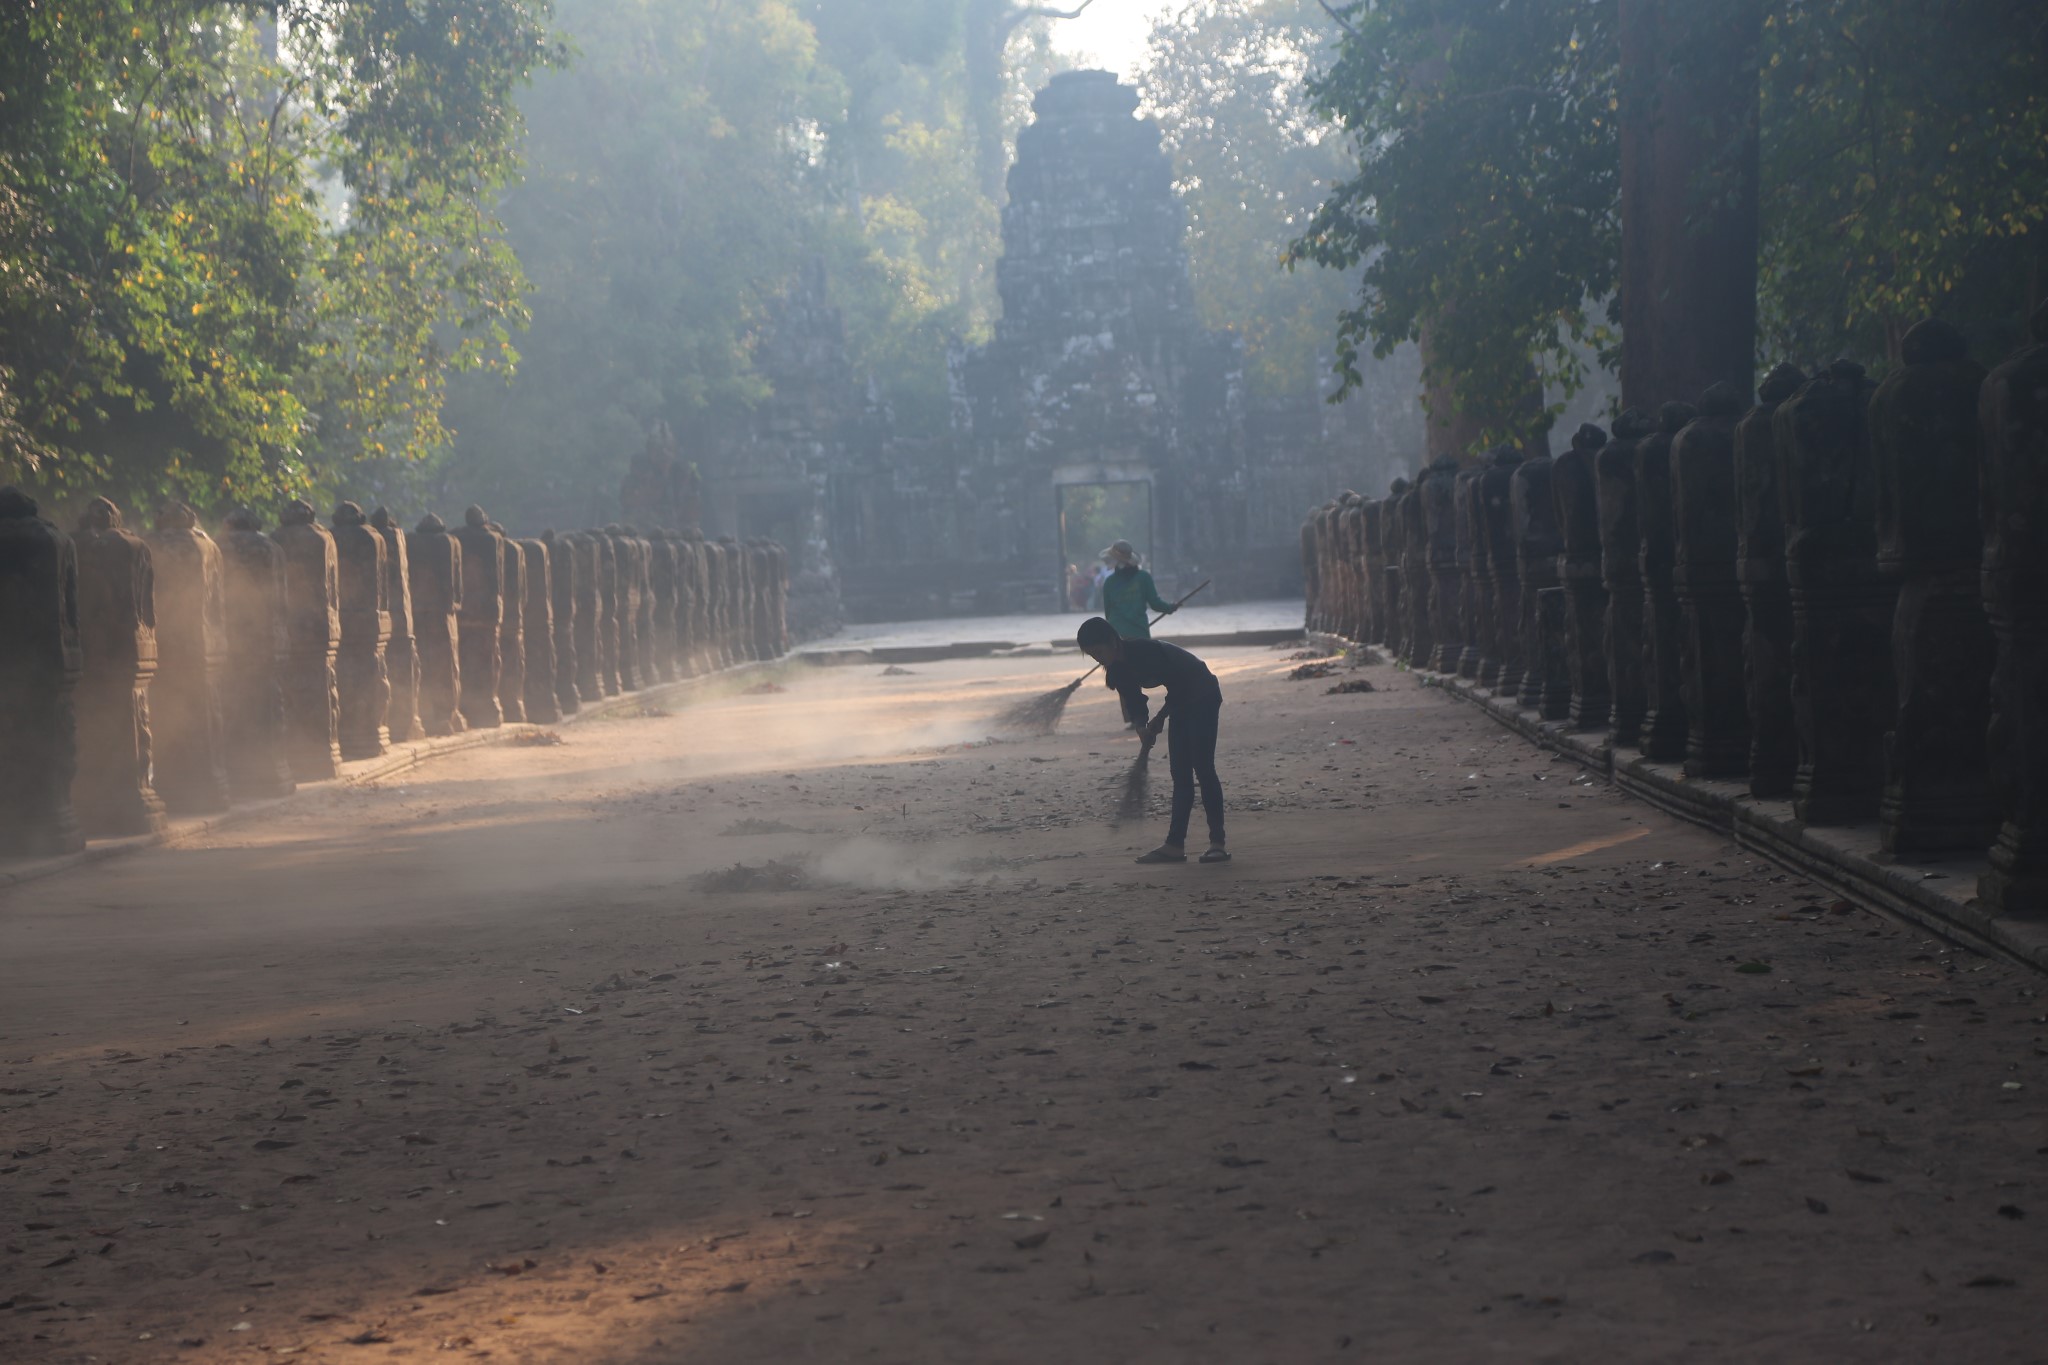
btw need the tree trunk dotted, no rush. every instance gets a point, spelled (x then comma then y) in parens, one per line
(1688, 198)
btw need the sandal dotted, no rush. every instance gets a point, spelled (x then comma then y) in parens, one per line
(1165, 853)
(1217, 854)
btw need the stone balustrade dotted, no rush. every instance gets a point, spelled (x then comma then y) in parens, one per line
(177, 672)
(1838, 596)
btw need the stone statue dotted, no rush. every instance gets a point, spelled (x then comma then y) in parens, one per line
(1415, 579)
(39, 670)
(312, 594)
(718, 606)
(1766, 596)
(259, 651)
(591, 676)
(662, 579)
(1709, 593)
(1372, 530)
(612, 605)
(189, 768)
(1664, 722)
(1503, 567)
(643, 610)
(1311, 575)
(362, 686)
(1446, 588)
(1927, 442)
(563, 584)
(435, 560)
(1843, 696)
(1546, 682)
(537, 625)
(2013, 414)
(692, 626)
(1471, 577)
(482, 616)
(512, 631)
(401, 654)
(1621, 572)
(1575, 488)
(117, 639)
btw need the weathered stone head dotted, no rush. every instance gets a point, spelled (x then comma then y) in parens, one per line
(1506, 456)
(1931, 342)
(244, 519)
(100, 515)
(1846, 371)
(15, 504)
(1721, 399)
(626, 529)
(382, 518)
(1397, 488)
(175, 516)
(612, 528)
(473, 515)
(297, 512)
(1633, 425)
(1444, 464)
(1672, 417)
(430, 525)
(1781, 383)
(348, 514)
(1588, 438)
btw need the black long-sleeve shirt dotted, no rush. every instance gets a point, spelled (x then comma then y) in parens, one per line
(1155, 663)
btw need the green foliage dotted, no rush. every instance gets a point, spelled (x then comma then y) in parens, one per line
(179, 314)
(1905, 171)
(1251, 162)
(1484, 203)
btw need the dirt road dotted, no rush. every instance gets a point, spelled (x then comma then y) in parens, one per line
(1460, 1060)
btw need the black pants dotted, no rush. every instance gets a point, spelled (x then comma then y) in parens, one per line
(1191, 754)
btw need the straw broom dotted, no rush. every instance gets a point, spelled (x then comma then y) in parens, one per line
(1041, 715)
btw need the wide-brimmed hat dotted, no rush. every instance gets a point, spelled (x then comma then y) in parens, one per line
(1120, 553)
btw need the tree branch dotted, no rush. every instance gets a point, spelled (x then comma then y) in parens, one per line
(1027, 12)
(1341, 21)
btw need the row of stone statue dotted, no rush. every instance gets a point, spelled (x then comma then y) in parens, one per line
(1840, 594)
(174, 672)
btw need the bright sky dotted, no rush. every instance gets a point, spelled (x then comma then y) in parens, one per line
(1111, 34)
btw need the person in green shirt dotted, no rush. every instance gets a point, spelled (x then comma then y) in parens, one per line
(1127, 592)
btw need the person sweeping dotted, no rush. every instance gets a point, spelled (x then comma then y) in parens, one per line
(1189, 715)
(1128, 591)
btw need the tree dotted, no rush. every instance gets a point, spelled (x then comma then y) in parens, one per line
(1483, 207)
(242, 241)
(1905, 172)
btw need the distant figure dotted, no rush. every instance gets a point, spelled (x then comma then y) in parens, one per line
(1194, 703)
(1079, 585)
(1127, 591)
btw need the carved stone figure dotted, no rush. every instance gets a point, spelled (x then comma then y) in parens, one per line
(482, 616)
(537, 627)
(661, 566)
(259, 647)
(1546, 683)
(512, 631)
(435, 558)
(1621, 571)
(625, 580)
(1766, 595)
(610, 605)
(643, 593)
(1415, 578)
(1471, 578)
(590, 618)
(563, 584)
(1503, 570)
(117, 639)
(719, 578)
(1394, 533)
(2013, 413)
(39, 669)
(1575, 487)
(1372, 532)
(1446, 589)
(312, 596)
(401, 654)
(1664, 722)
(1927, 442)
(189, 763)
(1843, 696)
(1311, 574)
(362, 686)
(1709, 593)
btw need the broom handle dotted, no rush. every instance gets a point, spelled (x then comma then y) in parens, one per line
(1155, 621)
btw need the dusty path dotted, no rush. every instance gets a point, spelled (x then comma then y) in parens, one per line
(1459, 1061)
